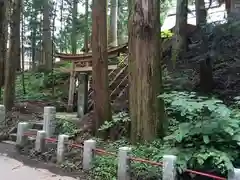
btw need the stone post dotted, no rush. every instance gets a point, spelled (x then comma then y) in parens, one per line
(49, 120)
(123, 171)
(88, 154)
(21, 137)
(40, 141)
(169, 167)
(234, 175)
(61, 147)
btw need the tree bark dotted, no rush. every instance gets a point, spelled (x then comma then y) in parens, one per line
(86, 32)
(112, 38)
(74, 30)
(201, 13)
(146, 110)
(34, 35)
(3, 39)
(47, 40)
(23, 48)
(13, 56)
(102, 109)
(179, 41)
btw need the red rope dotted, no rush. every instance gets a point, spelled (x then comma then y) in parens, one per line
(205, 174)
(51, 140)
(76, 146)
(29, 134)
(146, 161)
(101, 151)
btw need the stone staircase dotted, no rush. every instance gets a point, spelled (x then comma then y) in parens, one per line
(118, 86)
(38, 125)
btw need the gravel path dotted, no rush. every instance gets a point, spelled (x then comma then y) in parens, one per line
(15, 166)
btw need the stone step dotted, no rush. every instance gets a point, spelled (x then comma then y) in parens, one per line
(13, 137)
(38, 125)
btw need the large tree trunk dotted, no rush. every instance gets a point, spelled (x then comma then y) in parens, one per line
(13, 56)
(102, 110)
(112, 36)
(146, 110)
(22, 47)
(47, 40)
(3, 39)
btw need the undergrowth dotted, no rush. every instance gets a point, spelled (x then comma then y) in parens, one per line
(203, 133)
(41, 86)
(64, 126)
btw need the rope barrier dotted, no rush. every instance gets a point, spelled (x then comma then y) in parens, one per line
(205, 174)
(146, 161)
(141, 160)
(51, 140)
(101, 151)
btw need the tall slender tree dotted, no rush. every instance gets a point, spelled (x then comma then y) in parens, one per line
(33, 21)
(102, 111)
(86, 32)
(3, 39)
(179, 42)
(113, 29)
(13, 55)
(146, 110)
(201, 13)
(47, 40)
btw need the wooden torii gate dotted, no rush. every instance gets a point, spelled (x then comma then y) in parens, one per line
(82, 65)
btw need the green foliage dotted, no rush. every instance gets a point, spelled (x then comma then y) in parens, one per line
(105, 167)
(166, 34)
(203, 132)
(40, 86)
(206, 127)
(65, 127)
(118, 119)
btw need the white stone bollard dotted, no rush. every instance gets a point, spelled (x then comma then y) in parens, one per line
(2, 114)
(49, 120)
(234, 175)
(21, 130)
(169, 167)
(89, 146)
(61, 147)
(40, 141)
(123, 171)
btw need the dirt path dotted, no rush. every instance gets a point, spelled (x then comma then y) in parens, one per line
(13, 165)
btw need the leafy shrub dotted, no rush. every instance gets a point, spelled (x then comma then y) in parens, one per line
(206, 127)
(203, 133)
(65, 127)
(166, 34)
(118, 119)
(38, 86)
